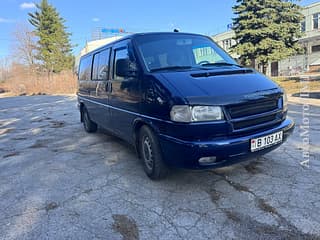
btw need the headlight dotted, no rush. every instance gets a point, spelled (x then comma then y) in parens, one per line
(185, 113)
(206, 113)
(285, 100)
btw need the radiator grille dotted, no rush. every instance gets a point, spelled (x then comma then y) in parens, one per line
(254, 114)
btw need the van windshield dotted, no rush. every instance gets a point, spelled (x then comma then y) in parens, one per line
(181, 52)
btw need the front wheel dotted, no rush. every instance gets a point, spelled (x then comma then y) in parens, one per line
(151, 156)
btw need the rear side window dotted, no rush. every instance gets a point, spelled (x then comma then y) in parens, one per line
(101, 65)
(85, 68)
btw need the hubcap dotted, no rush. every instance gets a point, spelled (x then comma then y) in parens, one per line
(147, 153)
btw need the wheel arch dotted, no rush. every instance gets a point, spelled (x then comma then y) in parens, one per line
(137, 124)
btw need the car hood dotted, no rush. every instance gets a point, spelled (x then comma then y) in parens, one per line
(221, 87)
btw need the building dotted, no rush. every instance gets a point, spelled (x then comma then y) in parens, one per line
(225, 40)
(308, 62)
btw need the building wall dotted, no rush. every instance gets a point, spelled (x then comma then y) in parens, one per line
(308, 12)
(226, 41)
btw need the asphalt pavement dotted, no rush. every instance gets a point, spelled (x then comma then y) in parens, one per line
(59, 182)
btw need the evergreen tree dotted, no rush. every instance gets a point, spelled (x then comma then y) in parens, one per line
(266, 30)
(54, 44)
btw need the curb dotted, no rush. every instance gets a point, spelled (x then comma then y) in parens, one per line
(309, 101)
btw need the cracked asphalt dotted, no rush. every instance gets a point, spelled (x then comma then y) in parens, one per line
(58, 182)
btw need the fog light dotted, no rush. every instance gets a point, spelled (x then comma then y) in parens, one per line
(207, 160)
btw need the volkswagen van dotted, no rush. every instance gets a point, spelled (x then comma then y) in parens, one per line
(181, 101)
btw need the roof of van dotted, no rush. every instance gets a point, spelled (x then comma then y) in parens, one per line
(161, 33)
(132, 36)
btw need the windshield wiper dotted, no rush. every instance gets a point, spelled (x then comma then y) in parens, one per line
(170, 68)
(220, 64)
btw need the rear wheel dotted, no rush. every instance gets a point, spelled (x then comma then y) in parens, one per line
(151, 156)
(88, 125)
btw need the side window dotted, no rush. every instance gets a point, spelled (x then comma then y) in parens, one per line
(316, 17)
(85, 68)
(95, 66)
(119, 54)
(206, 53)
(101, 65)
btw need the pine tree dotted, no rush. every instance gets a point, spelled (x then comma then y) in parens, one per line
(55, 49)
(266, 30)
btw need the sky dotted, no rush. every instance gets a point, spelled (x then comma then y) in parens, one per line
(207, 17)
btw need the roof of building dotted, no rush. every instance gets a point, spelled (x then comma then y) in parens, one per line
(311, 5)
(92, 45)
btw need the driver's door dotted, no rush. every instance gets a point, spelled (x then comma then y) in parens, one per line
(124, 95)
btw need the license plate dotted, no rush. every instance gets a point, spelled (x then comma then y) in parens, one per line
(266, 141)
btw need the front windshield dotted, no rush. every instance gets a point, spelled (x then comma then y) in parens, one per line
(180, 51)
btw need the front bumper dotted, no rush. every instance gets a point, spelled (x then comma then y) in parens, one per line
(228, 150)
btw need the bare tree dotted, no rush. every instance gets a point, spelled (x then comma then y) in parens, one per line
(24, 46)
(4, 69)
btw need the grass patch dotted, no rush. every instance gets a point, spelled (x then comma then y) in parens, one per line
(296, 85)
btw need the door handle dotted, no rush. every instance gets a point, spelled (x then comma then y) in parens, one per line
(109, 87)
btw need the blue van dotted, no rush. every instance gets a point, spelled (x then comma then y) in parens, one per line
(181, 101)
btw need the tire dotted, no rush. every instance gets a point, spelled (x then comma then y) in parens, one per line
(88, 125)
(150, 153)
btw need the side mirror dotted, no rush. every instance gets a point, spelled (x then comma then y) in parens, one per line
(126, 68)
